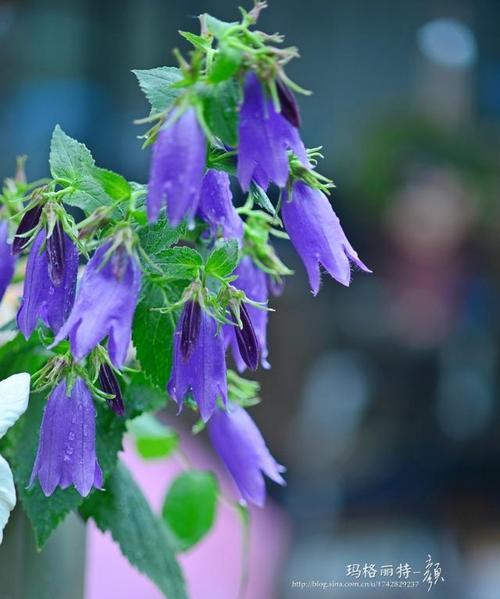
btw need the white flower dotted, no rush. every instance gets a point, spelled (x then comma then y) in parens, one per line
(14, 395)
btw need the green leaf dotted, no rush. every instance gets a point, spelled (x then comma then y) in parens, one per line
(180, 262)
(156, 238)
(223, 260)
(152, 438)
(217, 27)
(157, 86)
(198, 41)
(226, 63)
(116, 186)
(140, 396)
(261, 198)
(220, 110)
(123, 511)
(189, 507)
(152, 336)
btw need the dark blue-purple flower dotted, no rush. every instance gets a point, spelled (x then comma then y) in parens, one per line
(29, 221)
(42, 300)
(240, 446)
(315, 231)
(7, 260)
(66, 450)
(253, 282)
(265, 136)
(203, 372)
(177, 168)
(216, 206)
(288, 103)
(110, 385)
(104, 306)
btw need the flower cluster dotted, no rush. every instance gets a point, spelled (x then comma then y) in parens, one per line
(226, 126)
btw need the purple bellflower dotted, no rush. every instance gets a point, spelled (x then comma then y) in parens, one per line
(315, 231)
(239, 444)
(104, 306)
(28, 222)
(42, 299)
(264, 138)
(246, 339)
(7, 260)
(203, 372)
(177, 168)
(254, 283)
(216, 206)
(66, 450)
(56, 250)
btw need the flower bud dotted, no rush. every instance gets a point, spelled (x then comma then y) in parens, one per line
(247, 340)
(109, 384)
(28, 222)
(56, 254)
(289, 107)
(190, 328)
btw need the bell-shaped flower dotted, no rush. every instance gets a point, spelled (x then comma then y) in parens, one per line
(42, 299)
(110, 385)
(316, 234)
(201, 371)
(216, 206)
(7, 260)
(265, 136)
(29, 221)
(66, 450)
(14, 395)
(254, 283)
(288, 103)
(239, 444)
(105, 305)
(177, 168)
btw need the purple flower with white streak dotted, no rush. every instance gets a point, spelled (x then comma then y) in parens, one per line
(216, 206)
(66, 451)
(240, 446)
(254, 283)
(42, 299)
(105, 305)
(177, 168)
(7, 260)
(200, 371)
(315, 231)
(264, 138)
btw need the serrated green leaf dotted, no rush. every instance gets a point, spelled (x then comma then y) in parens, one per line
(223, 260)
(179, 262)
(196, 40)
(116, 186)
(220, 110)
(226, 63)
(152, 438)
(152, 336)
(156, 238)
(217, 27)
(190, 505)
(261, 198)
(123, 511)
(157, 86)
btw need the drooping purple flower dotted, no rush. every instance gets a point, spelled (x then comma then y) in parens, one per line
(56, 254)
(177, 168)
(203, 373)
(240, 446)
(66, 450)
(289, 107)
(216, 206)
(246, 339)
(42, 300)
(28, 222)
(109, 384)
(190, 327)
(7, 260)
(315, 231)
(253, 282)
(104, 306)
(264, 138)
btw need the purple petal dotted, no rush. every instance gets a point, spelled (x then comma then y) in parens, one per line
(104, 307)
(28, 222)
(177, 168)
(316, 233)
(7, 260)
(240, 446)
(289, 107)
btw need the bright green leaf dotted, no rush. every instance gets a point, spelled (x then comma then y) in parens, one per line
(223, 260)
(190, 505)
(197, 40)
(217, 27)
(152, 438)
(180, 262)
(157, 86)
(226, 63)
(123, 510)
(220, 110)
(116, 186)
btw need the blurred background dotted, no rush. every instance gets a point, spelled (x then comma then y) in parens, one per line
(381, 400)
